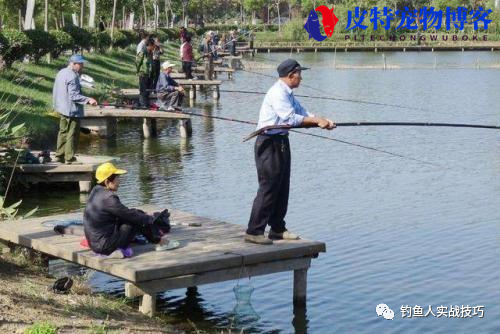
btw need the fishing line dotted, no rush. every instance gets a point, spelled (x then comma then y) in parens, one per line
(345, 124)
(329, 98)
(288, 127)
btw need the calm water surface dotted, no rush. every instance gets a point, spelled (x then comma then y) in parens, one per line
(397, 231)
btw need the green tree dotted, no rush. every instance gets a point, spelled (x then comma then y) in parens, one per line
(253, 6)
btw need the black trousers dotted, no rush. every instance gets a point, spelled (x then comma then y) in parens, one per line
(144, 86)
(125, 233)
(156, 67)
(187, 68)
(272, 158)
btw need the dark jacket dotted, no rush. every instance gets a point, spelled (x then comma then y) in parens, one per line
(104, 213)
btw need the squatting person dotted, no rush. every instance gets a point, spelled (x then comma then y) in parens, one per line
(170, 94)
(109, 225)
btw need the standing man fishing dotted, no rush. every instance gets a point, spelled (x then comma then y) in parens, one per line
(144, 68)
(68, 101)
(272, 155)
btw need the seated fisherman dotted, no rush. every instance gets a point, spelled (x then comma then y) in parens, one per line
(110, 226)
(170, 94)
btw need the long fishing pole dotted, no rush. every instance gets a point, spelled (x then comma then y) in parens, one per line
(451, 125)
(326, 97)
(288, 127)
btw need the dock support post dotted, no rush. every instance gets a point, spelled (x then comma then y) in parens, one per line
(149, 127)
(299, 287)
(147, 305)
(192, 92)
(85, 186)
(216, 94)
(185, 128)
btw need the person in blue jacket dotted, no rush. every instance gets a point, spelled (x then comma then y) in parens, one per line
(170, 94)
(68, 101)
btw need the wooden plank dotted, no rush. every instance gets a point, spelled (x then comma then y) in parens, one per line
(89, 164)
(47, 177)
(199, 82)
(175, 75)
(148, 287)
(213, 246)
(131, 113)
(216, 69)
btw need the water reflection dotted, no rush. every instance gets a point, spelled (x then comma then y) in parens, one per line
(433, 230)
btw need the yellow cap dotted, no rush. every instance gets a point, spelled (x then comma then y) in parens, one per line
(106, 170)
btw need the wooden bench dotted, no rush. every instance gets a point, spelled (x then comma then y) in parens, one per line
(103, 120)
(52, 172)
(213, 252)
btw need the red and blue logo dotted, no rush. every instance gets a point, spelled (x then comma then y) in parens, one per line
(329, 21)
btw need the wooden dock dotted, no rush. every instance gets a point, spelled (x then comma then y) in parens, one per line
(191, 84)
(103, 121)
(216, 70)
(53, 172)
(213, 252)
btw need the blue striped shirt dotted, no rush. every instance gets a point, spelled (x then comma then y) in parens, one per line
(67, 95)
(280, 107)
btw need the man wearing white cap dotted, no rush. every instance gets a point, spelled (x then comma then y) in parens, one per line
(170, 93)
(68, 101)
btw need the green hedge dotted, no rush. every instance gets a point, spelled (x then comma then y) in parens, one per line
(62, 42)
(101, 40)
(17, 47)
(82, 37)
(41, 43)
(15, 44)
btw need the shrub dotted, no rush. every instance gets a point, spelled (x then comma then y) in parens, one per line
(120, 39)
(132, 37)
(167, 33)
(41, 328)
(81, 37)
(41, 43)
(17, 46)
(162, 35)
(62, 42)
(101, 40)
(294, 31)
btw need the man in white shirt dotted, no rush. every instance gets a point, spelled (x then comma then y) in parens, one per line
(272, 155)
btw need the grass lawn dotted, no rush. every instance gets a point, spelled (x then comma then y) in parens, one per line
(26, 88)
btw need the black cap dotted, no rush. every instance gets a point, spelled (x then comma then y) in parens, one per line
(289, 65)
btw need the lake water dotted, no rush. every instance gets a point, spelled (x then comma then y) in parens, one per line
(397, 231)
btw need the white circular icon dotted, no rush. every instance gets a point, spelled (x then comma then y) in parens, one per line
(384, 310)
(388, 314)
(381, 308)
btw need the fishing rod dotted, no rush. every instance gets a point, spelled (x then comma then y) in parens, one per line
(329, 98)
(223, 45)
(453, 125)
(276, 127)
